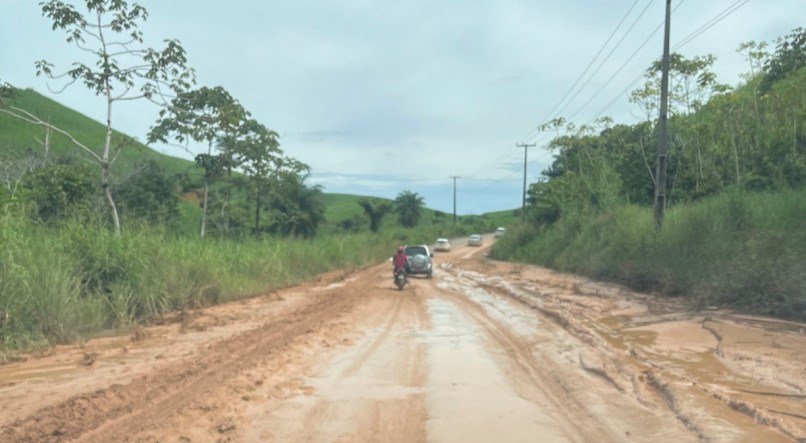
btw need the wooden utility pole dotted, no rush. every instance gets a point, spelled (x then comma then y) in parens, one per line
(663, 142)
(525, 147)
(454, 177)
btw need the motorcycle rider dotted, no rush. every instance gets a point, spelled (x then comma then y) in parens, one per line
(400, 261)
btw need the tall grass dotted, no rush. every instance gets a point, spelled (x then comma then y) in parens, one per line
(60, 283)
(742, 250)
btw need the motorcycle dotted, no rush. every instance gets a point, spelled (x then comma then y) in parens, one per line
(400, 278)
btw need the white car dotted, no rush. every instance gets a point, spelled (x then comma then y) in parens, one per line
(500, 232)
(474, 240)
(443, 244)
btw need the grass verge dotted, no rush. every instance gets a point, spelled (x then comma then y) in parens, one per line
(741, 250)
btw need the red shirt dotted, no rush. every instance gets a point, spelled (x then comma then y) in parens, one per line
(400, 260)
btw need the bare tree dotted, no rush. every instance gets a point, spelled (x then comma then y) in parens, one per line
(123, 69)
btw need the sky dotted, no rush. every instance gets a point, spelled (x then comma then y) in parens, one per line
(384, 96)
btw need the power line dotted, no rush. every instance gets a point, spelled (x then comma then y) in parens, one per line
(691, 36)
(595, 57)
(496, 160)
(593, 60)
(629, 59)
(718, 18)
(602, 63)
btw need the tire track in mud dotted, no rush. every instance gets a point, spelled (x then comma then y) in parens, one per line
(642, 368)
(372, 391)
(121, 411)
(576, 423)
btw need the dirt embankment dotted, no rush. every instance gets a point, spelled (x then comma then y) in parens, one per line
(483, 351)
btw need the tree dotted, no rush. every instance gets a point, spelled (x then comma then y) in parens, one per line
(6, 92)
(408, 206)
(257, 151)
(375, 209)
(789, 56)
(296, 208)
(148, 193)
(124, 69)
(58, 189)
(205, 115)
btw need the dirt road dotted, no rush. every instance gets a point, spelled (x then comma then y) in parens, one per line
(484, 351)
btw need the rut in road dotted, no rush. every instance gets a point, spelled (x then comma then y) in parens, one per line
(122, 410)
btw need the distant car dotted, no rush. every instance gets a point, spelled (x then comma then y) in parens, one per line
(474, 240)
(443, 244)
(419, 260)
(500, 232)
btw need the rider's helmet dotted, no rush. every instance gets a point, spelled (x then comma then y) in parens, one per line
(400, 249)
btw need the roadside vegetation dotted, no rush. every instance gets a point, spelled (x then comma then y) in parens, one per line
(735, 231)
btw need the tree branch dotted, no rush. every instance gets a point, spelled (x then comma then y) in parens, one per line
(33, 119)
(60, 90)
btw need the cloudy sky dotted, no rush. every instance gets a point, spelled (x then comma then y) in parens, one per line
(381, 96)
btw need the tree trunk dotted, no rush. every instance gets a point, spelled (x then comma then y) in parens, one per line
(105, 163)
(257, 213)
(736, 159)
(108, 139)
(204, 207)
(108, 194)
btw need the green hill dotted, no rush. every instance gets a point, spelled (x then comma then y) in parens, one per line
(17, 137)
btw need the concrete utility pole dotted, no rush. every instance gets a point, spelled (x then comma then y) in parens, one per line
(525, 147)
(454, 177)
(663, 142)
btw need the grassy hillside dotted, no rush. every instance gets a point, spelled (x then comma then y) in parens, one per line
(17, 137)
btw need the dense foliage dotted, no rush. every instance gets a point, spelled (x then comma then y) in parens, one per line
(737, 168)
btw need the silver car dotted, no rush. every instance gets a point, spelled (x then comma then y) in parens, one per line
(474, 240)
(419, 260)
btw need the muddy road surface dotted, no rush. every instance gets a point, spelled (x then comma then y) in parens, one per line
(484, 351)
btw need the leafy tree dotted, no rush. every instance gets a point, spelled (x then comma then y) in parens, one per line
(58, 189)
(756, 55)
(789, 56)
(297, 209)
(6, 92)
(148, 193)
(205, 115)
(692, 83)
(257, 151)
(375, 209)
(352, 224)
(408, 206)
(124, 69)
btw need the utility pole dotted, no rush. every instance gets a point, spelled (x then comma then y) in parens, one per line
(525, 147)
(454, 177)
(663, 142)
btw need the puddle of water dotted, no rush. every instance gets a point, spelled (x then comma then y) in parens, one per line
(328, 287)
(497, 308)
(469, 398)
